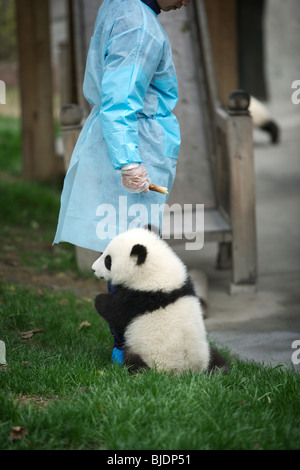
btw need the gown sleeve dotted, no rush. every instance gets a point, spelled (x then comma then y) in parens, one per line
(131, 59)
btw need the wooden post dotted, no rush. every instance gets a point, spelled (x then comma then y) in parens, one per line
(65, 79)
(242, 193)
(33, 23)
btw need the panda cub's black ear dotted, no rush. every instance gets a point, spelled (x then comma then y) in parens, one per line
(140, 251)
(152, 229)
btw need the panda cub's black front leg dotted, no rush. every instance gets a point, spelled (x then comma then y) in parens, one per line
(103, 303)
(112, 309)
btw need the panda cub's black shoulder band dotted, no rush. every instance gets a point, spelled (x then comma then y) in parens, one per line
(140, 302)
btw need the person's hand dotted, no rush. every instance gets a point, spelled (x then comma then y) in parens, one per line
(135, 178)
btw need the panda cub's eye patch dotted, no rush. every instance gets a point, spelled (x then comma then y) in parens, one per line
(107, 262)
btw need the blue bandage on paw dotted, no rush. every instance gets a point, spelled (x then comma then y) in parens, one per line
(117, 356)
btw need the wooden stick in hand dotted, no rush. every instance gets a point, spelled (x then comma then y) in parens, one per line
(158, 189)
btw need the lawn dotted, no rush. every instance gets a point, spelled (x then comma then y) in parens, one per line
(59, 389)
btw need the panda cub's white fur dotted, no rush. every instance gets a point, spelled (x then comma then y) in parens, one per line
(154, 306)
(162, 269)
(171, 338)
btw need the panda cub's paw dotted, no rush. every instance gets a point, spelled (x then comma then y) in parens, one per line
(134, 362)
(217, 362)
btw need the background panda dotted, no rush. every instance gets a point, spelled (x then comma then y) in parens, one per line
(155, 305)
(262, 119)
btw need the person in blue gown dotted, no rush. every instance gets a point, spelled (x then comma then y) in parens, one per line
(131, 137)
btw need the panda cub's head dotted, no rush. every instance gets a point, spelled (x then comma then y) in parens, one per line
(139, 259)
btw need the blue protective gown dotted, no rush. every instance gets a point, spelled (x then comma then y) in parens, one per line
(130, 80)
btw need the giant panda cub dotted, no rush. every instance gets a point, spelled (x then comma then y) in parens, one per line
(154, 306)
(262, 119)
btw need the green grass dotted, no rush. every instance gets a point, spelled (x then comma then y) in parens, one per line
(60, 383)
(10, 145)
(28, 214)
(61, 386)
(28, 211)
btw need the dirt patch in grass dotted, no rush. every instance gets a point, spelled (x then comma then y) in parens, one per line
(40, 401)
(30, 277)
(28, 222)
(35, 263)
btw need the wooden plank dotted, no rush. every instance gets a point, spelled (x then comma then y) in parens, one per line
(221, 117)
(215, 222)
(217, 228)
(33, 22)
(222, 21)
(221, 166)
(194, 180)
(205, 77)
(242, 200)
